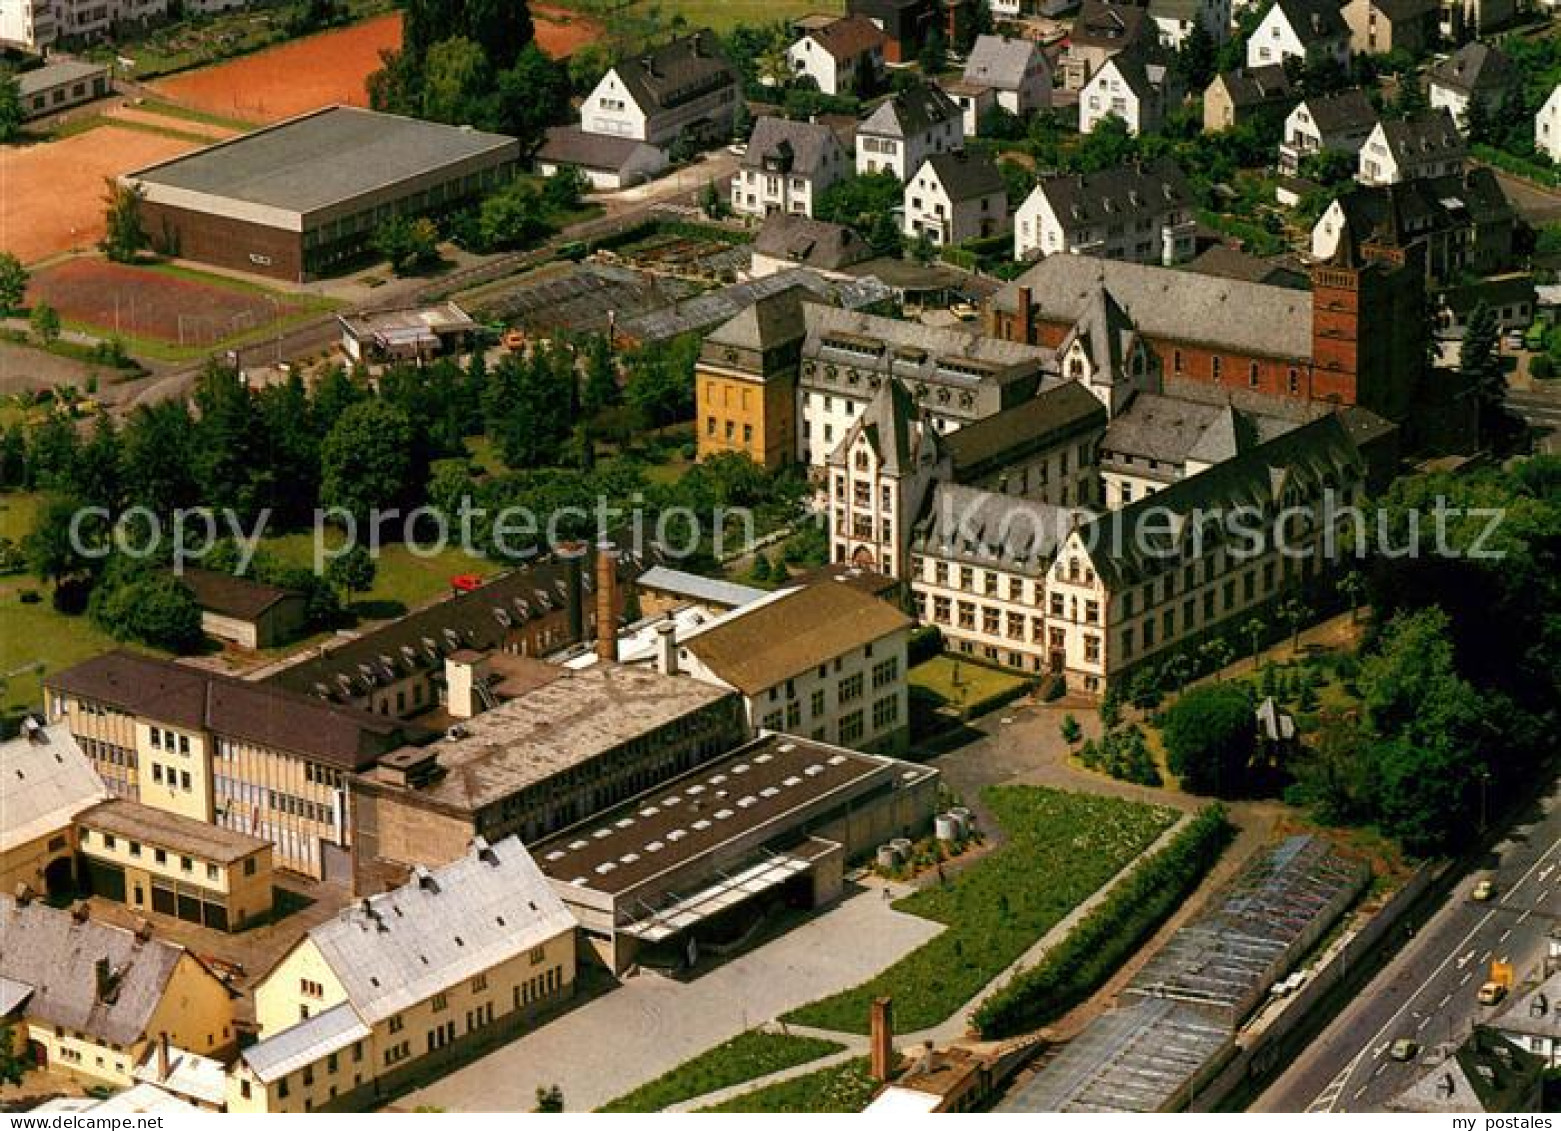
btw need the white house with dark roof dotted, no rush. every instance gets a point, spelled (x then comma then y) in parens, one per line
(787, 241)
(786, 167)
(1532, 1020)
(1547, 126)
(1175, 19)
(1307, 30)
(1329, 123)
(1016, 69)
(907, 129)
(1407, 149)
(1131, 85)
(684, 87)
(955, 197)
(1476, 72)
(459, 958)
(844, 56)
(1101, 30)
(1142, 213)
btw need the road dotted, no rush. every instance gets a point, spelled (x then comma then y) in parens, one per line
(1541, 408)
(1537, 205)
(1427, 992)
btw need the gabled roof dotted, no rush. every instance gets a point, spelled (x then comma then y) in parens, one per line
(59, 957)
(571, 145)
(848, 38)
(1109, 26)
(801, 146)
(1228, 263)
(810, 243)
(45, 780)
(307, 1042)
(794, 631)
(1312, 20)
(1254, 86)
(1105, 332)
(1051, 414)
(773, 320)
(1487, 1073)
(1535, 1012)
(677, 72)
(1000, 62)
(231, 596)
(1136, 71)
(1124, 194)
(1341, 112)
(964, 176)
(911, 112)
(1174, 431)
(897, 429)
(1474, 67)
(1402, 11)
(1396, 215)
(1432, 134)
(440, 929)
(992, 528)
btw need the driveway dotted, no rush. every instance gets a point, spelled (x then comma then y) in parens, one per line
(650, 1024)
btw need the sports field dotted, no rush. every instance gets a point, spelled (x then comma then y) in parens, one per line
(177, 308)
(328, 69)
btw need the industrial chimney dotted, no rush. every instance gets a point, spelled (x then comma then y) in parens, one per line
(667, 648)
(573, 555)
(607, 603)
(881, 1042)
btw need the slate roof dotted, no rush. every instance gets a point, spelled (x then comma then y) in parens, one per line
(571, 145)
(810, 243)
(1487, 1073)
(1169, 304)
(1399, 11)
(1253, 86)
(264, 714)
(1133, 69)
(677, 72)
(794, 631)
(1124, 194)
(911, 112)
(1106, 333)
(45, 780)
(697, 587)
(1342, 112)
(227, 595)
(1397, 214)
(990, 528)
(1474, 67)
(1313, 19)
(848, 38)
(1229, 263)
(440, 929)
(897, 429)
(290, 1049)
(57, 956)
(1173, 431)
(1109, 26)
(1059, 411)
(772, 321)
(1433, 134)
(1000, 62)
(804, 145)
(185, 835)
(1536, 1012)
(964, 176)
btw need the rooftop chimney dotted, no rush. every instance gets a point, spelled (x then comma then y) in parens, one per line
(667, 648)
(881, 1043)
(607, 603)
(1026, 316)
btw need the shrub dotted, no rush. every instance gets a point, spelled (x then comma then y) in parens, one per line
(1075, 967)
(1210, 734)
(1542, 368)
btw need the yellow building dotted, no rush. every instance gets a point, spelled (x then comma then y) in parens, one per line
(89, 998)
(48, 780)
(173, 865)
(403, 984)
(745, 383)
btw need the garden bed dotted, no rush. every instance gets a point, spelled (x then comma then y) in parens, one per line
(847, 1087)
(746, 1056)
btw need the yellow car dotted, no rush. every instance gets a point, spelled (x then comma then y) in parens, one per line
(1483, 891)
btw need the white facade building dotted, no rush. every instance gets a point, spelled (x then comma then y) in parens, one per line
(1129, 88)
(1300, 29)
(1547, 126)
(953, 198)
(1139, 213)
(1408, 149)
(1015, 69)
(843, 57)
(786, 168)
(906, 130)
(683, 87)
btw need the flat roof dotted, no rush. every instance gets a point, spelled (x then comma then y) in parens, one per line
(443, 316)
(564, 723)
(178, 833)
(323, 158)
(52, 75)
(719, 802)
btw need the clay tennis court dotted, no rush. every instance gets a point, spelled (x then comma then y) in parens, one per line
(51, 194)
(330, 68)
(139, 302)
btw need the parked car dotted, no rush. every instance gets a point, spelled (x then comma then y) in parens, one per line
(1483, 891)
(1403, 1049)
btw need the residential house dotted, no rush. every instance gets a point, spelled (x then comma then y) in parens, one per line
(87, 999)
(786, 242)
(1130, 86)
(826, 661)
(1487, 1073)
(1475, 73)
(1015, 68)
(1101, 30)
(684, 89)
(787, 167)
(1406, 149)
(605, 162)
(1547, 126)
(1239, 97)
(1469, 19)
(242, 755)
(1175, 20)
(405, 983)
(1451, 225)
(242, 611)
(975, 101)
(1144, 213)
(908, 23)
(844, 56)
(1308, 30)
(954, 198)
(1531, 1020)
(1328, 123)
(1378, 27)
(48, 781)
(908, 128)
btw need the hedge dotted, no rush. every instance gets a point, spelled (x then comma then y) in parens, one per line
(926, 642)
(1098, 946)
(1518, 166)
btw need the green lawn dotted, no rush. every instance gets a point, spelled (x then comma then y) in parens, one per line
(1061, 848)
(33, 633)
(18, 511)
(403, 580)
(956, 682)
(847, 1087)
(722, 15)
(746, 1056)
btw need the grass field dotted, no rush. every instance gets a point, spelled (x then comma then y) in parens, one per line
(847, 1087)
(403, 581)
(1061, 848)
(722, 15)
(955, 682)
(746, 1056)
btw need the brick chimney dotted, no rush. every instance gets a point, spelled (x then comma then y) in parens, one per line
(162, 1057)
(607, 603)
(573, 555)
(1026, 323)
(666, 648)
(881, 1042)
